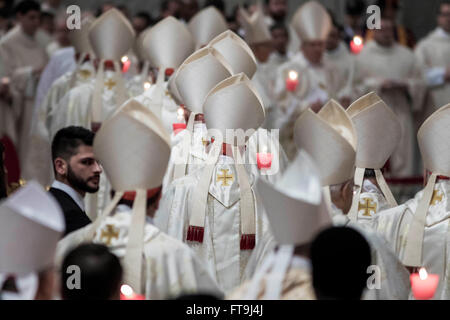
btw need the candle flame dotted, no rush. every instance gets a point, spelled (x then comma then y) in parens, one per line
(126, 290)
(124, 59)
(423, 274)
(293, 75)
(147, 85)
(180, 112)
(264, 149)
(357, 40)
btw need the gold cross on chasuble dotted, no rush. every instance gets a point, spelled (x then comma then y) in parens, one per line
(367, 206)
(436, 198)
(84, 74)
(109, 234)
(110, 84)
(224, 177)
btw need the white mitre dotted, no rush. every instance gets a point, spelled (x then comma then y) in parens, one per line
(296, 214)
(207, 24)
(31, 224)
(312, 22)
(379, 132)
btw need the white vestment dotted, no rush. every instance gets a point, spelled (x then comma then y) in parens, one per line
(220, 250)
(169, 267)
(394, 224)
(376, 64)
(40, 147)
(344, 63)
(433, 52)
(20, 55)
(371, 201)
(394, 277)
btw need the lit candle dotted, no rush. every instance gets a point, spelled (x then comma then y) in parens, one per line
(424, 285)
(126, 63)
(264, 159)
(147, 85)
(356, 45)
(126, 293)
(292, 81)
(180, 124)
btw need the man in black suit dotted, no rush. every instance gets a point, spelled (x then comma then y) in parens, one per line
(76, 172)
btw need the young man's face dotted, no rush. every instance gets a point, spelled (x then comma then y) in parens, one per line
(444, 17)
(30, 21)
(82, 171)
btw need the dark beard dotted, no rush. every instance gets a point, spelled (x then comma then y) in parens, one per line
(78, 183)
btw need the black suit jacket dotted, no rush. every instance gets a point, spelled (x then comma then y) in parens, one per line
(74, 217)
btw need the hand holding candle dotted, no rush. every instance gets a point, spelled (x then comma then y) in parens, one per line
(424, 285)
(126, 63)
(356, 45)
(126, 293)
(292, 81)
(264, 159)
(180, 124)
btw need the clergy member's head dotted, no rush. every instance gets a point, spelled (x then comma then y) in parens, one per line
(333, 38)
(385, 35)
(444, 15)
(277, 9)
(340, 257)
(73, 159)
(280, 36)
(100, 274)
(153, 198)
(29, 16)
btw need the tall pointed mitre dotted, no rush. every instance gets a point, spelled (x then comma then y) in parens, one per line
(206, 25)
(198, 74)
(232, 105)
(330, 138)
(111, 35)
(236, 52)
(294, 208)
(79, 38)
(379, 132)
(31, 224)
(168, 43)
(312, 22)
(134, 150)
(255, 27)
(138, 46)
(434, 144)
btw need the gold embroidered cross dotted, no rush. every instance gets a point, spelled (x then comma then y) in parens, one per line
(205, 142)
(84, 74)
(367, 206)
(109, 234)
(435, 198)
(224, 177)
(168, 94)
(110, 84)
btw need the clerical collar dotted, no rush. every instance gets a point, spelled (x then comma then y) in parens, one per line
(442, 33)
(78, 198)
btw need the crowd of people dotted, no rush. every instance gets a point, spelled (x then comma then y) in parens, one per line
(191, 153)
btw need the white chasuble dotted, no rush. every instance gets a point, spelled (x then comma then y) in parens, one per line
(394, 224)
(169, 267)
(371, 201)
(220, 250)
(376, 64)
(433, 53)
